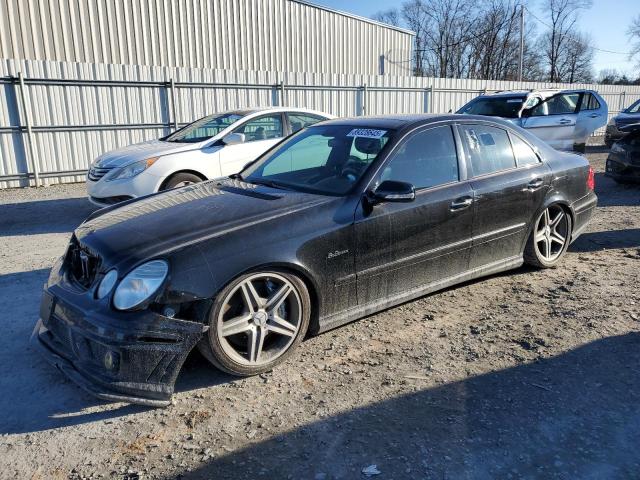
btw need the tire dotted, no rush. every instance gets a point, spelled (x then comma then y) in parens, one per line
(180, 180)
(580, 147)
(543, 249)
(242, 317)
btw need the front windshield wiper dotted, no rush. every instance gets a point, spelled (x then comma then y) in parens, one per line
(268, 183)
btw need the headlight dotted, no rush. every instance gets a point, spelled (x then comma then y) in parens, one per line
(107, 283)
(140, 284)
(131, 170)
(55, 273)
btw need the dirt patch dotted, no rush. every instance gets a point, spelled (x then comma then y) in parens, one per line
(532, 374)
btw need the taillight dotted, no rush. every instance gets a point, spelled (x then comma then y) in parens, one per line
(591, 179)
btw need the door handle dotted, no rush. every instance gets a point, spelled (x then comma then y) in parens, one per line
(564, 121)
(461, 203)
(535, 184)
(594, 115)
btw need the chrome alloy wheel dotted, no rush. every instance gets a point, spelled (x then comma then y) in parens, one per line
(551, 233)
(259, 320)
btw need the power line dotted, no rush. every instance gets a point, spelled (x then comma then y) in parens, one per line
(573, 39)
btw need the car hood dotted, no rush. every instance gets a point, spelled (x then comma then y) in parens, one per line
(161, 223)
(141, 151)
(623, 119)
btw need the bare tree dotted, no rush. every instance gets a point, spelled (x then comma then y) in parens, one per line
(634, 35)
(563, 18)
(481, 39)
(391, 17)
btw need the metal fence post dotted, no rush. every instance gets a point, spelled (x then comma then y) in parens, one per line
(281, 85)
(432, 90)
(622, 100)
(172, 86)
(26, 107)
(363, 106)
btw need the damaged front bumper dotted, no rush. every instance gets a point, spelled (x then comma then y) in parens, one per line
(120, 356)
(623, 170)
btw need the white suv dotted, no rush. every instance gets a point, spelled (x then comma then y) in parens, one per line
(562, 118)
(214, 146)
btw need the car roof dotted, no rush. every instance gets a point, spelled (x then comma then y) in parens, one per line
(255, 110)
(397, 122)
(541, 92)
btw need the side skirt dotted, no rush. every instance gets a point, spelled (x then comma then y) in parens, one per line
(346, 316)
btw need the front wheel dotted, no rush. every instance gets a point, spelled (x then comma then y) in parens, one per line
(180, 180)
(256, 322)
(549, 238)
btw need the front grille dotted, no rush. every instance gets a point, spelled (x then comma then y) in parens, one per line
(96, 173)
(112, 200)
(83, 265)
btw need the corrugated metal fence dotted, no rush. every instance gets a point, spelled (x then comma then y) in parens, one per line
(55, 118)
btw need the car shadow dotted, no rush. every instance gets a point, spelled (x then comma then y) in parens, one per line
(597, 149)
(44, 216)
(607, 240)
(574, 415)
(612, 194)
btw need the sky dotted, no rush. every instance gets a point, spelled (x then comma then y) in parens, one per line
(606, 22)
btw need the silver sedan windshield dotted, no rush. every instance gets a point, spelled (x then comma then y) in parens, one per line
(204, 128)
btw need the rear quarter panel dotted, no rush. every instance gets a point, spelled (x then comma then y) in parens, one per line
(569, 187)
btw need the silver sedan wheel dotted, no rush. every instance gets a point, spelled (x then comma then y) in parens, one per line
(552, 233)
(260, 319)
(183, 184)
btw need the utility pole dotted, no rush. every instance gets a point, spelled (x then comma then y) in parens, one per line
(521, 64)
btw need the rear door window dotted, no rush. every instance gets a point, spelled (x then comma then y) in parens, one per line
(524, 153)
(298, 121)
(561, 104)
(590, 102)
(266, 127)
(488, 149)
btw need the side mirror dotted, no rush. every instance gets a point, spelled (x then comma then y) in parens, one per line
(526, 113)
(392, 191)
(234, 139)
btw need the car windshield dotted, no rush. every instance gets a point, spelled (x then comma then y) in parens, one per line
(325, 159)
(634, 108)
(507, 107)
(203, 129)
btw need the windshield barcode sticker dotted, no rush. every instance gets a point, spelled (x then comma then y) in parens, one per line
(366, 133)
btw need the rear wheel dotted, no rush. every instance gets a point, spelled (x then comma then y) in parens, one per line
(549, 238)
(180, 180)
(256, 322)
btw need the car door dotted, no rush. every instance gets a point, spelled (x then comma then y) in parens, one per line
(261, 133)
(554, 120)
(593, 115)
(406, 246)
(509, 183)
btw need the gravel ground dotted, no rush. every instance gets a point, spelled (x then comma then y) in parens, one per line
(529, 374)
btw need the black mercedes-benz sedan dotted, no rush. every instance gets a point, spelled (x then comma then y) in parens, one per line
(336, 222)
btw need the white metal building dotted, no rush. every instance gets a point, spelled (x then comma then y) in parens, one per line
(256, 35)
